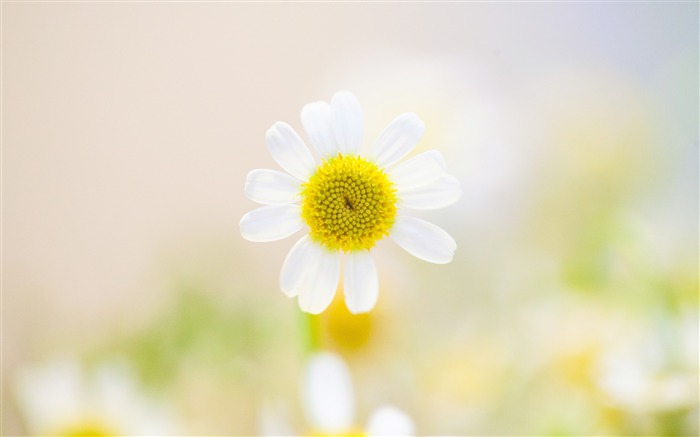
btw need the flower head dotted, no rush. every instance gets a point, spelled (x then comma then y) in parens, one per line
(348, 199)
(61, 398)
(329, 402)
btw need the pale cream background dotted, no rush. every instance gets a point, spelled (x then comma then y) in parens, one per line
(128, 128)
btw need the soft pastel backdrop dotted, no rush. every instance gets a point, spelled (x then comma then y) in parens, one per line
(571, 306)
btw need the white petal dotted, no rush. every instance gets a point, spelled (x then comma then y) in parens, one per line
(155, 419)
(270, 223)
(272, 187)
(360, 284)
(390, 421)
(420, 170)
(320, 284)
(116, 392)
(439, 194)
(296, 267)
(397, 139)
(328, 396)
(289, 151)
(50, 394)
(347, 122)
(423, 240)
(317, 119)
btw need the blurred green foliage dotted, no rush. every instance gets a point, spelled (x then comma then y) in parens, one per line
(204, 329)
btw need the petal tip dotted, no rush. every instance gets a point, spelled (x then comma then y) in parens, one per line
(424, 240)
(271, 131)
(356, 311)
(344, 94)
(311, 310)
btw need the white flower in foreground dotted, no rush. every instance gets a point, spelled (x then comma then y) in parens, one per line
(329, 402)
(348, 200)
(61, 399)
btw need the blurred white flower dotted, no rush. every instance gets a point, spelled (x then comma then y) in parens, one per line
(349, 201)
(329, 404)
(329, 401)
(60, 398)
(644, 375)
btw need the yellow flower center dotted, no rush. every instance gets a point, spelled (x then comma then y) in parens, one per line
(86, 427)
(354, 432)
(341, 435)
(349, 204)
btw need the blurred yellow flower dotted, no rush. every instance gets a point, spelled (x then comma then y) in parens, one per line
(340, 329)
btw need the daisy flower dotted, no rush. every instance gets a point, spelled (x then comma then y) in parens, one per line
(60, 398)
(347, 200)
(328, 401)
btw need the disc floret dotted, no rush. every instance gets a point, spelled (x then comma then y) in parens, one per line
(349, 204)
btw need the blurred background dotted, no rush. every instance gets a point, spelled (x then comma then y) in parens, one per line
(571, 307)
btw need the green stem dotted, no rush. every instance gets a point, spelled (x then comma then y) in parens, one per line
(310, 332)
